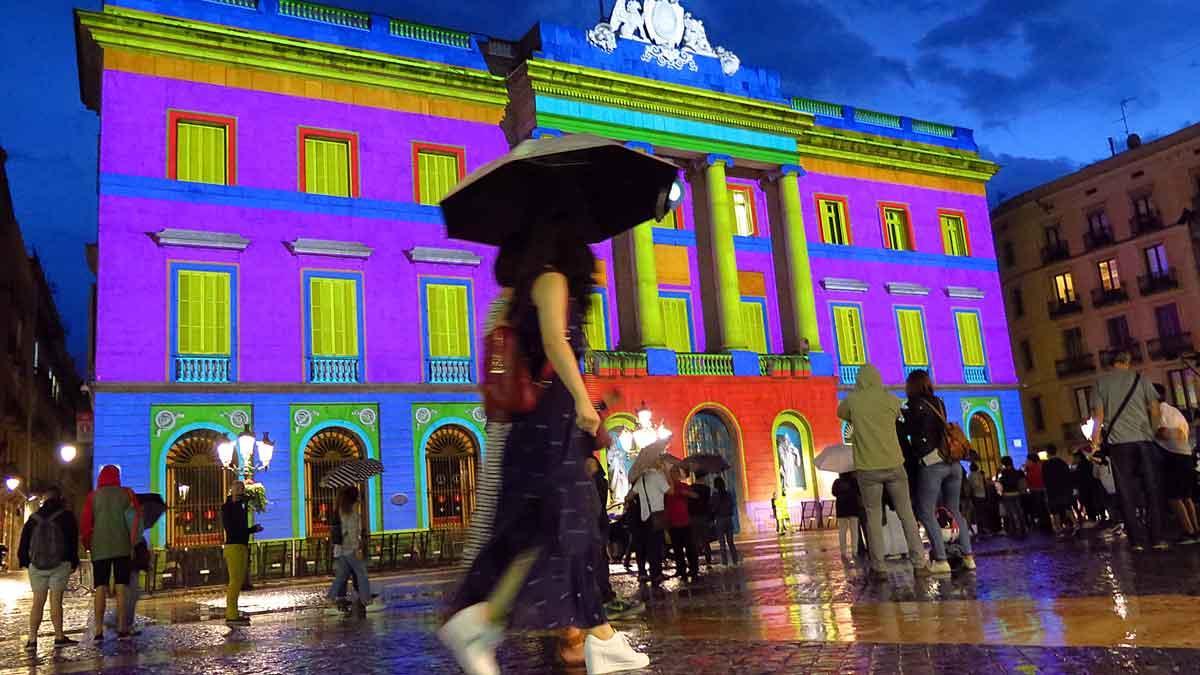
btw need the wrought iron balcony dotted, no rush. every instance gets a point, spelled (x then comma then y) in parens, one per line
(704, 364)
(849, 374)
(908, 370)
(975, 374)
(784, 365)
(1094, 239)
(1158, 282)
(1103, 297)
(615, 364)
(1058, 308)
(448, 371)
(1167, 347)
(1077, 364)
(1133, 347)
(1058, 250)
(202, 369)
(1142, 223)
(333, 370)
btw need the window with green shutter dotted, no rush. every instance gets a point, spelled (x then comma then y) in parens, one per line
(895, 228)
(437, 172)
(847, 321)
(333, 319)
(754, 322)
(954, 234)
(912, 337)
(448, 321)
(595, 326)
(970, 338)
(201, 152)
(328, 166)
(202, 316)
(835, 228)
(677, 323)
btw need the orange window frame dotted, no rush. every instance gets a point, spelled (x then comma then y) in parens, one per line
(845, 202)
(418, 146)
(962, 216)
(908, 225)
(174, 117)
(749, 192)
(332, 135)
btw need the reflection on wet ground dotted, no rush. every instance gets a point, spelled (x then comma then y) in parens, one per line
(1035, 606)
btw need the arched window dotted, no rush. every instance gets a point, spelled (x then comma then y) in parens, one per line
(325, 450)
(708, 433)
(450, 455)
(195, 490)
(986, 442)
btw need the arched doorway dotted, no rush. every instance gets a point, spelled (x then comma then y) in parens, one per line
(327, 449)
(195, 490)
(451, 454)
(986, 442)
(707, 432)
(792, 441)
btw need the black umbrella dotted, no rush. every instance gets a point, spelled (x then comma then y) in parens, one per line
(597, 185)
(352, 472)
(705, 463)
(153, 507)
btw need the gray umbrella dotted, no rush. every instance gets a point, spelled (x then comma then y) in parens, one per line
(646, 459)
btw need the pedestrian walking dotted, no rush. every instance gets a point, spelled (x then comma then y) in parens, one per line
(1126, 413)
(235, 519)
(650, 490)
(1179, 466)
(347, 552)
(110, 528)
(544, 538)
(848, 508)
(49, 551)
(1060, 496)
(923, 431)
(687, 562)
(879, 464)
(1012, 488)
(724, 505)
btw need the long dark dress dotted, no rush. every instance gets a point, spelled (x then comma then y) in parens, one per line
(546, 502)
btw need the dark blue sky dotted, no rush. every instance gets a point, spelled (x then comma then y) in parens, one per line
(1040, 81)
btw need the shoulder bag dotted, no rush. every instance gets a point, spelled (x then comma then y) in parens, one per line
(1105, 446)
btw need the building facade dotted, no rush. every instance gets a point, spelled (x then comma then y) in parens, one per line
(271, 252)
(1113, 249)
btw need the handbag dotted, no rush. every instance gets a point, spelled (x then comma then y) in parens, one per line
(1105, 446)
(507, 386)
(958, 448)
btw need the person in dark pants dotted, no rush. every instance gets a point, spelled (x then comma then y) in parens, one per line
(651, 489)
(699, 512)
(687, 562)
(723, 508)
(1012, 481)
(592, 466)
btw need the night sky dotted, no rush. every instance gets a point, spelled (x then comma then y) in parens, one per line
(1040, 81)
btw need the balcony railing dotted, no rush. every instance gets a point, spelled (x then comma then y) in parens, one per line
(203, 369)
(1058, 308)
(1103, 297)
(1075, 365)
(1158, 282)
(784, 365)
(1058, 250)
(1094, 239)
(612, 364)
(1142, 223)
(448, 371)
(908, 370)
(333, 370)
(1133, 347)
(704, 364)
(849, 374)
(1167, 347)
(975, 374)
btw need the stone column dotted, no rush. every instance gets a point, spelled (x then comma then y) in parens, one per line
(720, 217)
(799, 272)
(645, 271)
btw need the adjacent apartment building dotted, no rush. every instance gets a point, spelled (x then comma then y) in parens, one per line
(1103, 260)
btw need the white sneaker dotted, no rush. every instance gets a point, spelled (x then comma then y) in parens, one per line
(472, 639)
(612, 655)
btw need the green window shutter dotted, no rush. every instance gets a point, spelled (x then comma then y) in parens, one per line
(334, 316)
(848, 324)
(327, 166)
(202, 314)
(200, 152)
(755, 325)
(912, 337)
(896, 222)
(448, 324)
(677, 329)
(953, 235)
(970, 339)
(596, 329)
(833, 222)
(437, 173)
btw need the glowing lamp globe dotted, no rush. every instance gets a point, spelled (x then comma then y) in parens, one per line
(245, 444)
(12, 483)
(225, 453)
(68, 453)
(266, 450)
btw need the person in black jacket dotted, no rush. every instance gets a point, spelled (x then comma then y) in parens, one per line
(49, 578)
(234, 516)
(923, 437)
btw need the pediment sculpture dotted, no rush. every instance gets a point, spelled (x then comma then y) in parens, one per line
(673, 37)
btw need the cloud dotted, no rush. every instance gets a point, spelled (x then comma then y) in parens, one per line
(1018, 174)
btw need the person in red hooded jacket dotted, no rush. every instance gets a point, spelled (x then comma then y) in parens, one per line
(111, 526)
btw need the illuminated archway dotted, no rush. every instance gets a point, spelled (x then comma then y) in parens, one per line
(793, 451)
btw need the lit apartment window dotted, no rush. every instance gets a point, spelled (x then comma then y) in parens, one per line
(1110, 278)
(1182, 385)
(329, 163)
(1156, 261)
(1064, 288)
(437, 169)
(741, 197)
(897, 233)
(835, 228)
(201, 148)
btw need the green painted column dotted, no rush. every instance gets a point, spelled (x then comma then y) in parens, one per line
(720, 212)
(804, 303)
(645, 269)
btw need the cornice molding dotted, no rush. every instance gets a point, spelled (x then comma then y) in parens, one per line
(845, 285)
(329, 247)
(860, 148)
(443, 256)
(200, 239)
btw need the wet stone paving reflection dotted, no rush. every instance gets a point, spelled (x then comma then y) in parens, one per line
(1037, 606)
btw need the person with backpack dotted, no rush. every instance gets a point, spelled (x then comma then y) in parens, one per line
(925, 437)
(49, 550)
(111, 527)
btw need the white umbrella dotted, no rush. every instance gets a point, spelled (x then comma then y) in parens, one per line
(835, 458)
(646, 459)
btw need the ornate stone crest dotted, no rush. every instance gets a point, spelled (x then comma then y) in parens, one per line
(673, 37)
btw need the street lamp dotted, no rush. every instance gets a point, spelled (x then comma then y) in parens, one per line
(12, 483)
(245, 445)
(68, 453)
(646, 433)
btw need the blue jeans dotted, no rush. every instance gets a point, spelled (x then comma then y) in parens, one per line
(941, 483)
(344, 566)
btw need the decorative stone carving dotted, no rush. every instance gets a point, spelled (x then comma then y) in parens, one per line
(303, 418)
(165, 421)
(672, 35)
(994, 405)
(478, 415)
(423, 415)
(366, 416)
(238, 419)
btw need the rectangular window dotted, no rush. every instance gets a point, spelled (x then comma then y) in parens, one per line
(912, 337)
(1182, 385)
(741, 197)
(835, 228)
(328, 163)
(1026, 355)
(1018, 303)
(437, 170)
(1110, 278)
(1039, 416)
(1073, 342)
(897, 234)
(970, 338)
(1083, 406)
(754, 322)
(1156, 260)
(1166, 317)
(1118, 332)
(954, 234)
(1053, 235)
(852, 349)
(1098, 223)
(1142, 205)
(448, 321)
(201, 148)
(1064, 288)
(596, 325)
(677, 322)
(203, 317)
(333, 316)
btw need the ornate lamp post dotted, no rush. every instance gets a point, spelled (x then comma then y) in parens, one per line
(244, 464)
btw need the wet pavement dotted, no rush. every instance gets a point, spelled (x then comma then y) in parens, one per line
(1037, 606)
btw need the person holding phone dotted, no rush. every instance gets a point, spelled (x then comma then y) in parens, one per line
(235, 518)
